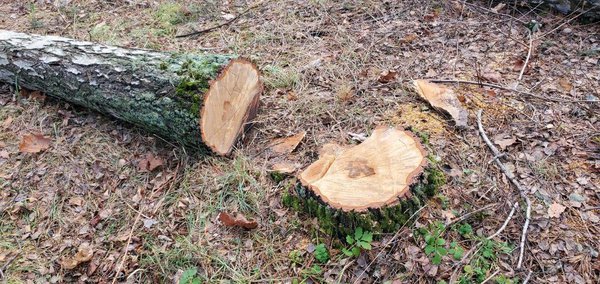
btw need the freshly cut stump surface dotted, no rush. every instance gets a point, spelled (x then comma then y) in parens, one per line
(229, 105)
(376, 185)
(373, 174)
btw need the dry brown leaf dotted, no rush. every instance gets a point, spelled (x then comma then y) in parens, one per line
(409, 38)
(33, 95)
(555, 210)
(442, 99)
(7, 122)
(387, 76)
(565, 85)
(149, 163)
(287, 145)
(284, 167)
(504, 142)
(84, 254)
(498, 7)
(491, 76)
(34, 143)
(238, 221)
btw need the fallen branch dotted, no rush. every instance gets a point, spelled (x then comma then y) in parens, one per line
(468, 215)
(494, 12)
(508, 89)
(514, 181)
(512, 212)
(491, 276)
(195, 33)
(467, 256)
(388, 243)
(137, 218)
(527, 278)
(526, 59)
(568, 21)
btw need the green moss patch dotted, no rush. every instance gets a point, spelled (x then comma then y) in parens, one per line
(380, 220)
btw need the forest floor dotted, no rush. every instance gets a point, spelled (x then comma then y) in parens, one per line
(322, 63)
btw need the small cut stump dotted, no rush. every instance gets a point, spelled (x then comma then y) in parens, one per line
(376, 185)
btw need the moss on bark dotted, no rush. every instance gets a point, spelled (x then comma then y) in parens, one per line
(378, 220)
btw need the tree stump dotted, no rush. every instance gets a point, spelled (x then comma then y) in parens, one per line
(200, 100)
(376, 185)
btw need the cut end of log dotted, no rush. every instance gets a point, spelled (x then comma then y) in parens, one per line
(376, 173)
(229, 105)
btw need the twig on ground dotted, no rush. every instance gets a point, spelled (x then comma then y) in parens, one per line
(527, 277)
(491, 276)
(195, 33)
(592, 208)
(497, 157)
(495, 13)
(468, 215)
(389, 242)
(344, 270)
(568, 21)
(526, 59)
(508, 89)
(464, 260)
(514, 181)
(512, 212)
(137, 218)
(8, 262)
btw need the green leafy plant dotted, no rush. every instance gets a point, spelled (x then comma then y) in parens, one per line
(360, 240)
(456, 251)
(465, 230)
(506, 280)
(295, 257)
(321, 253)
(190, 277)
(435, 244)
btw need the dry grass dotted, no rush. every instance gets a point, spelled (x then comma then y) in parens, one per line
(321, 61)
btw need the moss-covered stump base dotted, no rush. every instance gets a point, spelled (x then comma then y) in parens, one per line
(377, 185)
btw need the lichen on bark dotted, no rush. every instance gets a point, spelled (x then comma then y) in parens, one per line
(161, 92)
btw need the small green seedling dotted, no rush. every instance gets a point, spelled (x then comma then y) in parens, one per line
(189, 277)
(295, 257)
(360, 240)
(456, 251)
(321, 253)
(465, 230)
(435, 244)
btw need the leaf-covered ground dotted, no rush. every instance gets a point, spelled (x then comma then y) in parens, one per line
(106, 202)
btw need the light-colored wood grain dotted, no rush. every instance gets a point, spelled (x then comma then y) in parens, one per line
(373, 174)
(229, 105)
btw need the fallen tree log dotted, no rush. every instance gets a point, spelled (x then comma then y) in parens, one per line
(376, 185)
(198, 100)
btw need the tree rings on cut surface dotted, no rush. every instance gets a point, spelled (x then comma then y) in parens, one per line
(376, 185)
(229, 105)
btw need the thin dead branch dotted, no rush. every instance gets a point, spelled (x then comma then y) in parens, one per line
(195, 33)
(494, 12)
(388, 243)
(514, 181)
(508, 89)
(137, 218)
(526, 59)
(468, 215)
(512, 212)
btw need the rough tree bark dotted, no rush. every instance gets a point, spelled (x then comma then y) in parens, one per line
(196, 99)
(376, 185)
